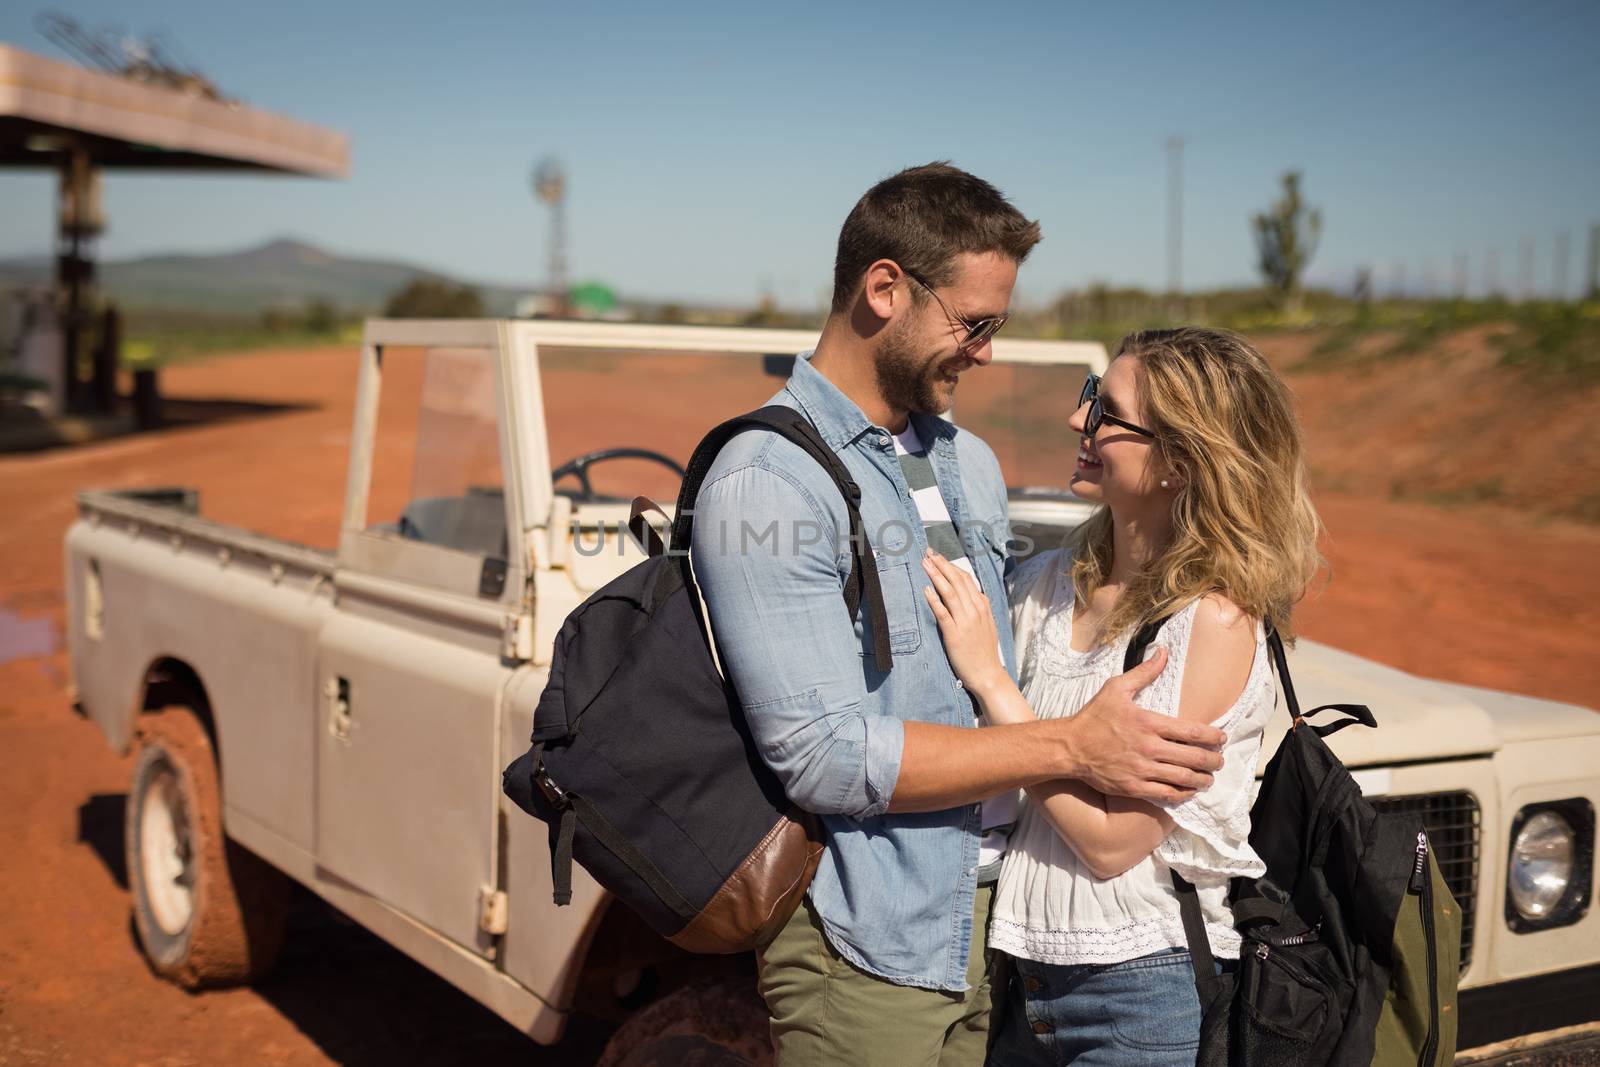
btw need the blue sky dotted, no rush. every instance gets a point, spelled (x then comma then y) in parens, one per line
(714, 149)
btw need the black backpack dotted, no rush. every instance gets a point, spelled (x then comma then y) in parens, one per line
(641, 761)
(1321, 961)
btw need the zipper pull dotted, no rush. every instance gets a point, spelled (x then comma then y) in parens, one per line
(1305, 938)
(1262, 951)
(1420, 868)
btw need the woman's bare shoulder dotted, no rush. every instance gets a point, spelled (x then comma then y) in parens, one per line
(1222, 648)
(1218, 612)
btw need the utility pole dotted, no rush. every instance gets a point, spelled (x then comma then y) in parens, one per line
(1459, 281)
(1491, 274)
(1525, 270)
(1563, 259)
(1175, 216)
(1592, 290)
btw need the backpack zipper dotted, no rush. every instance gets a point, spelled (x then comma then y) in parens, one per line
(1304, 937)
(1265, 946)
(1421, 883)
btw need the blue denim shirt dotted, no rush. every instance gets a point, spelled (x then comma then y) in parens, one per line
(771, 553)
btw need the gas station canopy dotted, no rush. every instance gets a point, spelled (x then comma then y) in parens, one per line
(49, 109)
(79, 122)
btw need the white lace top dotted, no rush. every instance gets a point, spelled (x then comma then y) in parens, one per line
(1048, 907)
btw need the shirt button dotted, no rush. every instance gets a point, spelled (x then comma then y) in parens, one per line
(972, 870)
(1041, 1028)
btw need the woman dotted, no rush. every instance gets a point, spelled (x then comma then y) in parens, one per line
(1190, 445)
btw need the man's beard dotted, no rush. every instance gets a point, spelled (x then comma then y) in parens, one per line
(907, 380)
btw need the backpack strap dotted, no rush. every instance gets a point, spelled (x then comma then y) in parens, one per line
(575, 809)
(792, 425)
(640, 527)
(1142, 637)
(1194, 931)
(1356, 713)
(1194, 925)
(615, 840)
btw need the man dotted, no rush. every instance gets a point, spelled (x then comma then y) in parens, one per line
(883, 962)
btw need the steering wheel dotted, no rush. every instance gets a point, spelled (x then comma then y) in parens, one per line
(579, 466)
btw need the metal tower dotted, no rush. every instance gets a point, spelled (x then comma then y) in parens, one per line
(550, 186)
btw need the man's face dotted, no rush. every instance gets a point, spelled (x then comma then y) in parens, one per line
(919, 362)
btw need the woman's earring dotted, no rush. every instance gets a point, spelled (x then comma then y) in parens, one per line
(1164, 483)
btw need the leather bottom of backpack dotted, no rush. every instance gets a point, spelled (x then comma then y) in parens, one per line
(749, 909)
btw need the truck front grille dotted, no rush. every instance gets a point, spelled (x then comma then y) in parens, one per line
(1453, 822)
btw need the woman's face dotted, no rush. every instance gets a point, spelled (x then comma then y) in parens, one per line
(1116, 466)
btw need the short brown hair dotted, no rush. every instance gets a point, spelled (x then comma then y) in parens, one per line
(922, 218)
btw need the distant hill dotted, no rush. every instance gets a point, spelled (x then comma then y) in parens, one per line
(285, 272)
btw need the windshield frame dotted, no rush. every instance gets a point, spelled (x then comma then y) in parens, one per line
(526, 458)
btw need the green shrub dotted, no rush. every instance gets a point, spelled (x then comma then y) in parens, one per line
(1558, 340)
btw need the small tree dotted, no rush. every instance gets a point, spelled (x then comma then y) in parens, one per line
(1286, 237)
(429, 298)
(320, 316)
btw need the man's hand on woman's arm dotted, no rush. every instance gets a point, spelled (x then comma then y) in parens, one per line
(1122, 749)
(1112, 744)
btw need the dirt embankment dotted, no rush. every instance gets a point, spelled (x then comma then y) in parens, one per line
(1450, 424)
(1461, 497)
(1478, 593)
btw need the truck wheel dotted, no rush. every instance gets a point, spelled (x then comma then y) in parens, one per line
(208, 912)
(720, 1023)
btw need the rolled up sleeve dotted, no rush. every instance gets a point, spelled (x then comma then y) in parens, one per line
(765, 554)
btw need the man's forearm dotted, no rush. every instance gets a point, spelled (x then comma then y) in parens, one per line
(1111, 744)
(947, 766)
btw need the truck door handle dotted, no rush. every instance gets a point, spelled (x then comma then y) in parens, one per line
(337, 692)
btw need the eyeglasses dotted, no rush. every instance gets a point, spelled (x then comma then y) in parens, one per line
(1097, 411)
(977, 332)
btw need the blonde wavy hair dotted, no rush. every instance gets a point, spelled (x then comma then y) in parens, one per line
(1242, 521)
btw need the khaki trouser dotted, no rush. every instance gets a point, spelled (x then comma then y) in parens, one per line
(826, 1012)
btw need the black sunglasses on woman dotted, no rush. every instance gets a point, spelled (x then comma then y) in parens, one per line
(1097, 411)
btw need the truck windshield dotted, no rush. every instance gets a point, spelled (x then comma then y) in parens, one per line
(436, 474)
(664, 402)
(659, 402)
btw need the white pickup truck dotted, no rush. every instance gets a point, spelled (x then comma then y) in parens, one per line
(340, 717)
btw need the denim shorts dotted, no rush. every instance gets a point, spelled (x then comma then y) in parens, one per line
(1139, 1013)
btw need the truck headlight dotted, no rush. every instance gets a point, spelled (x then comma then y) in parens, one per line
(1541, 865)
(1547, 876)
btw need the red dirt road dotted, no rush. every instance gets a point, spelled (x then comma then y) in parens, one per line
(1477, 594)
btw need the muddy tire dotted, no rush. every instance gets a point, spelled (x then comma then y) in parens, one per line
(208, 912)
(720, 1023)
